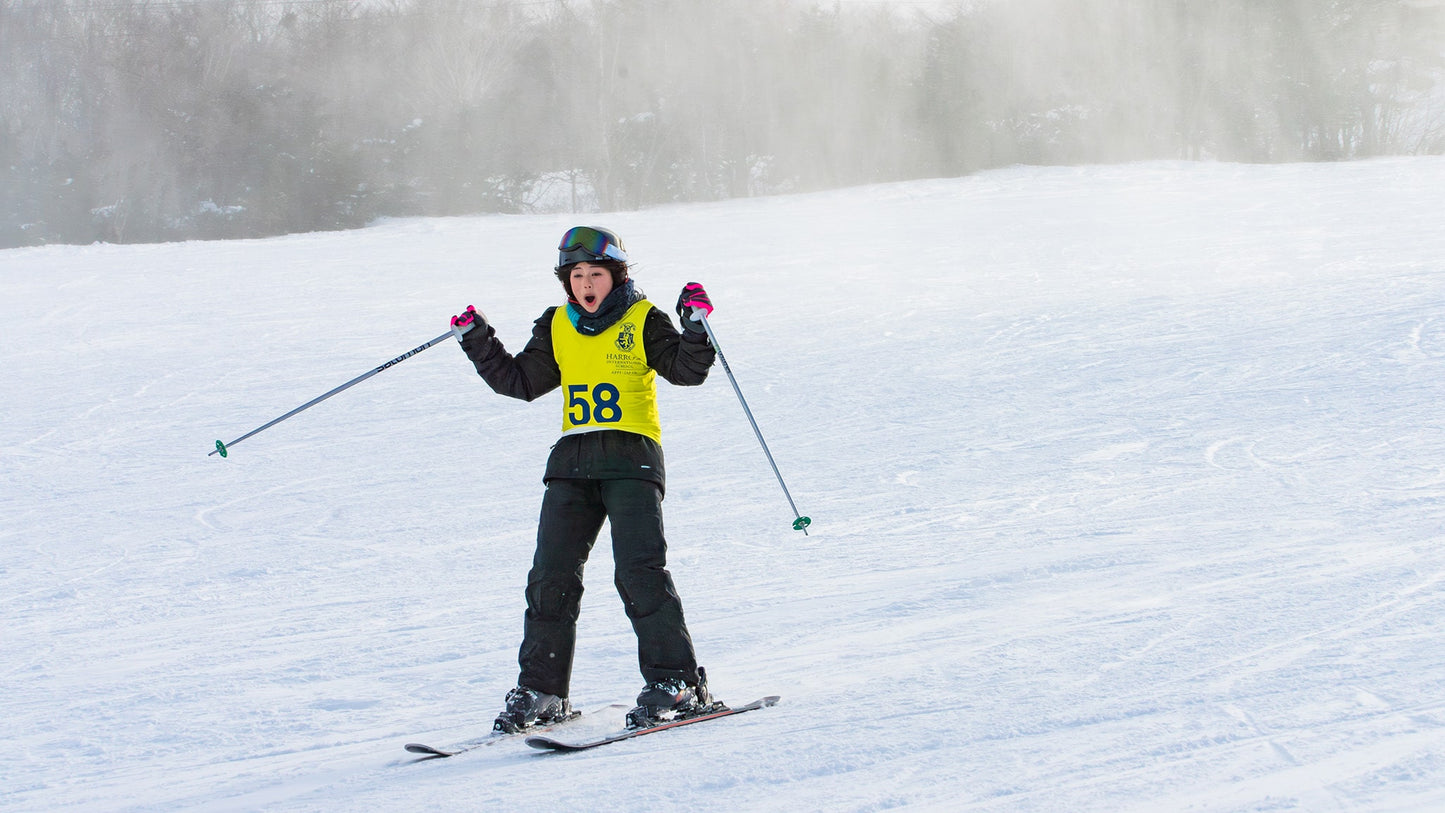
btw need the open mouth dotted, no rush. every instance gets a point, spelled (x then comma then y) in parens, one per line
(590, 299)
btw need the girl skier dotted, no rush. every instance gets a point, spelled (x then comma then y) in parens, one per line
(604, 348)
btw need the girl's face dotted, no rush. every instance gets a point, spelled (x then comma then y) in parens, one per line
(590, 285)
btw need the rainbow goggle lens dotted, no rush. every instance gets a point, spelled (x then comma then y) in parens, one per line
(585, 244)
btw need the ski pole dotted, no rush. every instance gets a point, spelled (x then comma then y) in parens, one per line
(800, 522)
(221, 448)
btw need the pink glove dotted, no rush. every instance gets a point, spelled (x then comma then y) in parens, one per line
(461, 325)
(693, 297)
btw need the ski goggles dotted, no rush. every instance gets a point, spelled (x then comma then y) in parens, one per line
(585, 244)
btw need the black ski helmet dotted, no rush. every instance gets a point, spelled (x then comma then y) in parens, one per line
(591, 244)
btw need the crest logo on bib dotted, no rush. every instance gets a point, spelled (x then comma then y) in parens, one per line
(627, 336)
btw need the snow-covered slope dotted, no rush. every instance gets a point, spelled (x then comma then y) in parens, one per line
(1127, 487)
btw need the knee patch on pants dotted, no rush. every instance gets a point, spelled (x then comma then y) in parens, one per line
(555, 598)
(644, 592)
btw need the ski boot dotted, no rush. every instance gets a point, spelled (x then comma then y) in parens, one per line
(528, 707)
(671, 699)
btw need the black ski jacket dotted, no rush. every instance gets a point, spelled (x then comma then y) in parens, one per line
(681, 357)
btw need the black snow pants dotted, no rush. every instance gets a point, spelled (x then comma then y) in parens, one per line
(572, 515)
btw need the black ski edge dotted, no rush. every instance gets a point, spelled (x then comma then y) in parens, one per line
(429, 752)
(553, 745)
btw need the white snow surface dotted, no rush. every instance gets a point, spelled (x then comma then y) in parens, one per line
(1127, 487)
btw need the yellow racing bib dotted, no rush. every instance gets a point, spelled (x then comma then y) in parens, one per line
(606, 383)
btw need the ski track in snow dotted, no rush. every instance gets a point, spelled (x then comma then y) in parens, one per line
(1128, 488)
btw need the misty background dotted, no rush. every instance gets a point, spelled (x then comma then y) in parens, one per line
(149, 121)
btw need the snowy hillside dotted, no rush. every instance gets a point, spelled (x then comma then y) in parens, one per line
(1127, 487)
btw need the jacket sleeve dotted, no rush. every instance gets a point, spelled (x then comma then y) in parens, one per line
(529, 374)
(681, 357)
